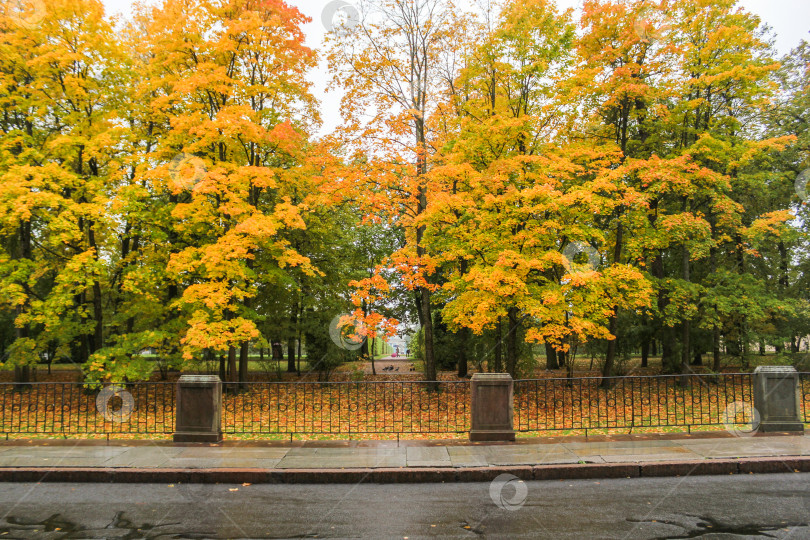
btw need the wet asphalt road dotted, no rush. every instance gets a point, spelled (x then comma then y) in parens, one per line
(752, 506)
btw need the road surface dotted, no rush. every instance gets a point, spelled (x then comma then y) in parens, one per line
(752, 506)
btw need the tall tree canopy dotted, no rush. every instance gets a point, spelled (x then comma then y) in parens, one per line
(510, 175)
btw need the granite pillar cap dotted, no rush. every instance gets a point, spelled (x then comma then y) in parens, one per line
(491, 377)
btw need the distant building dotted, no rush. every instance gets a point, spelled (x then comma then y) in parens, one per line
(398, 343)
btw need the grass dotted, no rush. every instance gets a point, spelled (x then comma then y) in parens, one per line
(582, 365)
(253, 365)
(728, 363)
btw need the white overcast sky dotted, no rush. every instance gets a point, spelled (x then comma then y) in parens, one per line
(789, 20)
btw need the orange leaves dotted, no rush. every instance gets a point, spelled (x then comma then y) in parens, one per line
(370, 325)
(290, 257)
(372, 289)
(370, 296)
(688, 229)
(285, 137)
(259, 226)
(288, 214)
(767, 227)
(413, 270)
(217, 335)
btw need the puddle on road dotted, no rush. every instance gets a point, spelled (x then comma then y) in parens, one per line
(57, 526)
(698, 526)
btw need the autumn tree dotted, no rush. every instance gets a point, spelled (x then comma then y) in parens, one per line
(513, 201)
(388, 66)
(788, 259)
(228, 91)
(62, 74)
(666, 82)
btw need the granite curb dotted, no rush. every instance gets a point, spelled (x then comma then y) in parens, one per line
(405, 475)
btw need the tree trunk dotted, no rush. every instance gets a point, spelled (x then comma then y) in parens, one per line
(716, 326)
(290, 342)
(511, 342)
(290, 353)
(277, 353)
(427, 328)
(744, 347)
(300, 336)
(243, 364)
(741, 325)
(610, 357)
(425, 318)
(783, 281)
(22, 374)
(687, 326)
(98, 312)
(613, 321)
(551, 357)
(498, 349)
(716, 349)
(464, 334)
(367, 353)
(232, 373)
(298, 355)
(667, 337)
(464, 339)
(645, 350)
(84, 348)
(668, 360)
(371, 356)
(571, 360)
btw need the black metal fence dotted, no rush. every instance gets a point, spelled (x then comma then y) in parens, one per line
(389, 407)
(72, 408)
(633, 402)
(344, 408)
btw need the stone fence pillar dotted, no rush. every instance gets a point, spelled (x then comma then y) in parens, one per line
(199, 409)
(491, 407)
(776, 398)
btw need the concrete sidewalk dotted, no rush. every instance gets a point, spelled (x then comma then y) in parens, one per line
(408, 461)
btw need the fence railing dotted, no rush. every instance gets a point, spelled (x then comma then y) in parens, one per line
(347, 407)
(72, 408)
(632, 402)
(389, 407)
